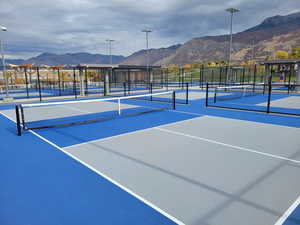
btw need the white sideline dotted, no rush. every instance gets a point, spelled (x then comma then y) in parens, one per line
(161, 211)
(288, 212)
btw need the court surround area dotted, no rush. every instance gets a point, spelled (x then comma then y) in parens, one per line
(188, 165)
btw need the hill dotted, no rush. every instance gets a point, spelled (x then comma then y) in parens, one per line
(274, 33)
(68, 59)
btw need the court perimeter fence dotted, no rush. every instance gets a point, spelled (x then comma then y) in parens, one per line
(279, 98)
(43, 84)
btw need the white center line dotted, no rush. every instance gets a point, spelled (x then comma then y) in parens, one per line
(228, 145)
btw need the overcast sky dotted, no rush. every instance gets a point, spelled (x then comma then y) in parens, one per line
(69, 26)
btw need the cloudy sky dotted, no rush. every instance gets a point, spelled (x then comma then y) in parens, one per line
(68, 26)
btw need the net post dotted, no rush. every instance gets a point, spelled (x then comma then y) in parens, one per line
(151, 91)
(26, 82)
(174, 100)
(206, 97)
(18, 121)
(215, 95)
(269, 96)
(124, 86)
(187, 94)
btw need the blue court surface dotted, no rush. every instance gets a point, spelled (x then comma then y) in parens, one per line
(192, 165)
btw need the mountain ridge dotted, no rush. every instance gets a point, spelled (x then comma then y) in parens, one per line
(272, 34)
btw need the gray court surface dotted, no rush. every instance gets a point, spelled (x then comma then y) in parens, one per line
(291, 102)
(207, 171)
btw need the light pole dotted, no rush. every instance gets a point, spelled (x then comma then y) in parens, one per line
(110, 52)
(107, 79)
(232, 11)
(3, 63)
(147, 31)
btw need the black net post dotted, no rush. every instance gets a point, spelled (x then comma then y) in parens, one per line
(174, 100)
(206, 98)
(269, 95)
(151, 91)
(19, 131)
(187, 93)
(215, 95)
(124, 87)
(39, 82)
(26, 82)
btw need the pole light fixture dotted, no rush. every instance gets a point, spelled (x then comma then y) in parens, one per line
(231, 11)
(7, 97)
(147, 31)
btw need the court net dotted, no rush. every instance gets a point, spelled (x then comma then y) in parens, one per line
(237, 91)
(69, 113)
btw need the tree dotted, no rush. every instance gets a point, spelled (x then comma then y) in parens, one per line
(296, 52)
(187, 66)
(281, 55)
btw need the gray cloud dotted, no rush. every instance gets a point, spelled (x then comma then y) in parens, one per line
(61, 26)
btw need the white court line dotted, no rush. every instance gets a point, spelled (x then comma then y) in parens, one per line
(161, 211)
(124, 134)
(288, 212)
(228, 145)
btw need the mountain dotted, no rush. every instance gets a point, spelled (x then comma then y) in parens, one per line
(73, 59)
(68, 59)
(274, 33)
(140, 57)
(288, 22)
(14, 61)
